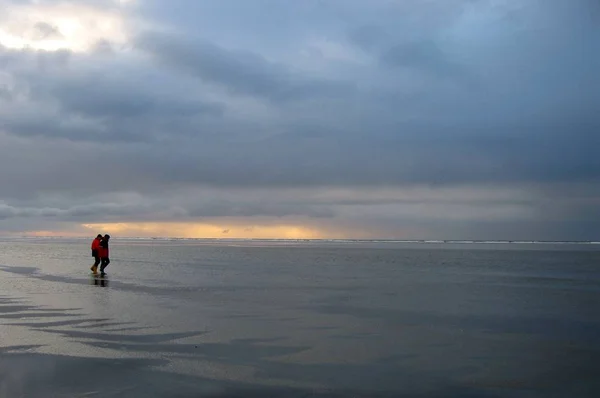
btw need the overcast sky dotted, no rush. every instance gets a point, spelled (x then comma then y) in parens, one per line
(424, 119)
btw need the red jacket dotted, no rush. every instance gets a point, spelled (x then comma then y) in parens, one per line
(95, 244)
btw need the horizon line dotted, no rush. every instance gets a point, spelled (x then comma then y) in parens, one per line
(381, 240)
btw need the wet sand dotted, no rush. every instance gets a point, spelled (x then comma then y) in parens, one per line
(174, 320)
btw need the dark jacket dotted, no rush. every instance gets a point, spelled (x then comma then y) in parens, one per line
(103, 249)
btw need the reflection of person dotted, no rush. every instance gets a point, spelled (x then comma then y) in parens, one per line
(103, 253)
(100, 282)
(95, 247)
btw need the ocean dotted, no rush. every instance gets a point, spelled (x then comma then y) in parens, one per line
(193, 318)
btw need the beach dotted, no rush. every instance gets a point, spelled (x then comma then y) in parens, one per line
(190, 318)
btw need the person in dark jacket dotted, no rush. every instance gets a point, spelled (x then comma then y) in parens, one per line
(104, 252)
(95, 247)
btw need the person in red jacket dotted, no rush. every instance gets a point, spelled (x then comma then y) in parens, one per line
(95, 247)
(103, 252)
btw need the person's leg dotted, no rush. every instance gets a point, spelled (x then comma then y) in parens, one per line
(96, 263)
(105, 262)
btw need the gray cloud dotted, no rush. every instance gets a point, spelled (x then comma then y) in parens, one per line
(108, 98)
(86, 103)
(94, 3)
(355, 95)
(427, 57)
(241, 72)
(176, 206)
(44, 30)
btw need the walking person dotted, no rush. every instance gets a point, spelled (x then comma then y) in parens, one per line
(104, 252)
(95, 254)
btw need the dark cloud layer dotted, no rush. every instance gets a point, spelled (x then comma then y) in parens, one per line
(240, 72)
(357, 95)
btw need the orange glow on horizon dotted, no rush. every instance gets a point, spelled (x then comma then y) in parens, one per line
(200, 230)
(221, 229)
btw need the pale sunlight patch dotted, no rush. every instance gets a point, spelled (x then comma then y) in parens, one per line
(200, 230)
(63, 26)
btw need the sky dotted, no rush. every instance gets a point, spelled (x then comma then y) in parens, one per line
(365, 119)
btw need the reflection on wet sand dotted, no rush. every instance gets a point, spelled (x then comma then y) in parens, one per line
(70, 375)
(216, 329)
(131, 375)
(142, 377)
(98, 280)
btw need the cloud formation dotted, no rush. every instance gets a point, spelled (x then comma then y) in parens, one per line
(252, 113)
